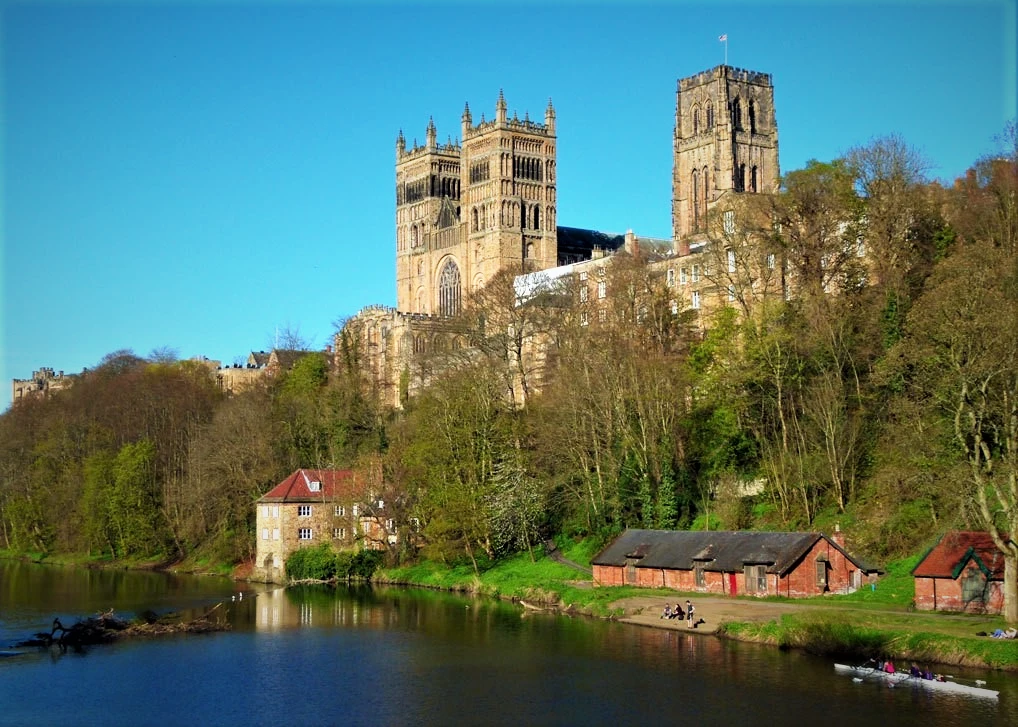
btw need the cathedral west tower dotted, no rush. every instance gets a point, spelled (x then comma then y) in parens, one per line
(465, 211)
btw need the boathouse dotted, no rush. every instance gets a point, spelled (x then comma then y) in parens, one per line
(794, 565)
(964, 571)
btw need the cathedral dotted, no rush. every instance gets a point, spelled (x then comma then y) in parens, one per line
(469, 209)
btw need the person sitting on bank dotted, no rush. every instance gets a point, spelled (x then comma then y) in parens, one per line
(677, 612)
(667, 612)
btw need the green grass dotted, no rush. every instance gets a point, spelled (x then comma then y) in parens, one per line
(896, 588)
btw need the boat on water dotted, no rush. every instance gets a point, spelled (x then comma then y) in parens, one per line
(905, 679)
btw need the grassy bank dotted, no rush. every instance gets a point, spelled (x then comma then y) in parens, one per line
(839, 635)
(195, 565)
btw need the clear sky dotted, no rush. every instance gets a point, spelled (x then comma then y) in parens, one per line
(195, 175)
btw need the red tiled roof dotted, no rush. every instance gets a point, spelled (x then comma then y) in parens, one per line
(955, 549)
(296, 487)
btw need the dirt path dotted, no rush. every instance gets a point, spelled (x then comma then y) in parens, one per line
(646, 611)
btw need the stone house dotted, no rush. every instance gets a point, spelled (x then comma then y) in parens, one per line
(794, 565)
(308, 508)
(964, 571)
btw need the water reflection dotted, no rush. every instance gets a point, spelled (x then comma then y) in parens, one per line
(314, 655)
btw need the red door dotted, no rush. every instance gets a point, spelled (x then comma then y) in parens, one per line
(733, 587)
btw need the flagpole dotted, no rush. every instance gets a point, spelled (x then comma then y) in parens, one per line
(724, 39)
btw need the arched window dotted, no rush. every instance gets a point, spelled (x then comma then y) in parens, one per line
(696, 120)
(705, 197)
(736, 114)
(753, 180)
(449, 295)
(413, 236)
(740, 182)
(752, 116)
(695, 186)
(529, 252)
(474, 226)
(710, 116)
(537, 217)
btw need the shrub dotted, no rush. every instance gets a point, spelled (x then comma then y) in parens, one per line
(317, 563)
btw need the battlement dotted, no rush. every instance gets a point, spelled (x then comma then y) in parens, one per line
(513, 124)
(451, 150)
(735, 74)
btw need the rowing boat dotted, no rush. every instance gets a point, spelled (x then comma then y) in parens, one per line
(905, 679)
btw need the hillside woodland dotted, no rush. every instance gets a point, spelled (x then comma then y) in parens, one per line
(882, 395)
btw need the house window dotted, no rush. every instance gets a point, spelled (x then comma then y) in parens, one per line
(340, 511)
(756, 578)
(583, 276)
(696, 273)
(304, 534)
(304, 511)
(770, 261)
(584, 318)
(675, 307)
(275, 511)
(731, 261)
(390, 525)
(275, 533)
(356, 510)
(731, 293)
(822, 574)
(670, 278)
(265, 533)
(696, 300)
(683, 276)
(602, 315)
(602, 289)
(265, 510)
(583, 294)
(729, 222)
(315, 486)
(339, 533)
(701, 579)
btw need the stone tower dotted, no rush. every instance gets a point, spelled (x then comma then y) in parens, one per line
(726, 140)
(466, 211)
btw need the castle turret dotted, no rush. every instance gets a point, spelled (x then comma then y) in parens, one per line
(500, 109)
(432, 135)
(400, 144)
(466, 120)
(549, 117)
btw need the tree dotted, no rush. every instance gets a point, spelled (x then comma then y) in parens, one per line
(961, 356)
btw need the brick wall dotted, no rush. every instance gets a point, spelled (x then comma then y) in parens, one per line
(944, 594)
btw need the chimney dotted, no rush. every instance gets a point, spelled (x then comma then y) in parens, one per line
(838, 537)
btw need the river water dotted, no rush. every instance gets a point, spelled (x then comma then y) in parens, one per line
(317, 655)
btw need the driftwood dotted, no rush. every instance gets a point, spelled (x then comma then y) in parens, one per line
(104, 628)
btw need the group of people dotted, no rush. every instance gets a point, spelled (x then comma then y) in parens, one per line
(677, 612)
(887, 666)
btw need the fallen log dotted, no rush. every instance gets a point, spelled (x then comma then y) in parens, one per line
(104, 628)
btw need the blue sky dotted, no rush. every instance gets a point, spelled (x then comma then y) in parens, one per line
(195, 175)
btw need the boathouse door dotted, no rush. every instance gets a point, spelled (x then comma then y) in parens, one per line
(733, 586)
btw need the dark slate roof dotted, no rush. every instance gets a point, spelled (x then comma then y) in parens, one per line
(724, 551)
(296, 488)
(955, 549)
(575, 244)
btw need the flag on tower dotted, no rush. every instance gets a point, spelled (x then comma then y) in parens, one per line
(723, 38)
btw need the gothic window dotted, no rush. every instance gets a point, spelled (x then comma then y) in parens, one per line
(737, 115)
(696, 120)
(710, 116)
(696, 200)
(753, 180)
(413, 236)
(449, 290)
(704, 198)
(752, 117)
(474, 227)
(529, 251)
(537, 217)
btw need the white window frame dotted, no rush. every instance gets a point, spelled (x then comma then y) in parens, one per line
(670, 277)
(696, 300)
(696, 273)
(339, 533)
(340, 511)
(275, 533)
(584, 318)
(305, 534)
(729, 222)
(731, 260)
(584, 294)
(683, 276)
(602, 289)
(303, 511)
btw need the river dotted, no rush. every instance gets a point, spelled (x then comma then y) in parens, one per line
(362, 656)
